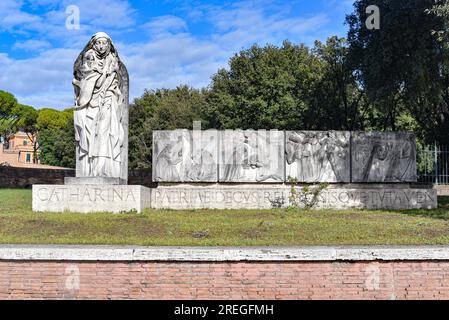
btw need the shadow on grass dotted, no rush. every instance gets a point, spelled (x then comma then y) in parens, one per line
(441, 213)
(443, 202)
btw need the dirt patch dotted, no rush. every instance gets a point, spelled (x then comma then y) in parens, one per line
(200, 234)
(132, 227)
(85, 229)
(251, 234)
(432, 232)
(42, 226)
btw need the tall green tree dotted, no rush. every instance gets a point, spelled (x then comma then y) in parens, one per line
(289, 87)
(440, 9)
(8, 118)
(53, 119)
(56, 138)
(265, 87)
(163, 109)
(400, 65)
(7, 103)
(26, 120)
(337, 101)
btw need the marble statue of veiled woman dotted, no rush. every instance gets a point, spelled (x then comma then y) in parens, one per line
(101, 95)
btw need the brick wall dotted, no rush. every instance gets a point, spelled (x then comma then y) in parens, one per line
(14, 177)
(8, 156)
(230, 280)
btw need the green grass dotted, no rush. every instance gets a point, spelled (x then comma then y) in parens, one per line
(18, 224)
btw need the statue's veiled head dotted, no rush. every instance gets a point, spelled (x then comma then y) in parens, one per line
(102, 43)
(102, 46)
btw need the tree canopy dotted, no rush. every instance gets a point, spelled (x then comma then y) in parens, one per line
(402, 66)
(56, 138)
(8, 103)
(163, 109)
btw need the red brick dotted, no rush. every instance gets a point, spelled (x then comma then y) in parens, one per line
(242, 280)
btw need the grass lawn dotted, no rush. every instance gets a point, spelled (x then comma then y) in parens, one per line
(18, 224)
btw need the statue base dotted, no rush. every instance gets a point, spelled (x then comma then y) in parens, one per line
(87, 198)
(123, 198)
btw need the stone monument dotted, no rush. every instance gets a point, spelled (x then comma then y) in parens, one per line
(384, 157)
(181, 156)
(230, 169)
(318, 156)
(101, 86)
(365, 170)
(249, 156)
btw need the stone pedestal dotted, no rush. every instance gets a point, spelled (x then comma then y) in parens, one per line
(259, 196)
(88, 198)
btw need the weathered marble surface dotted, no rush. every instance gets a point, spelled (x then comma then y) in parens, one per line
(92, 181)
(185, 156)
(101, 84)
(383, 157)
(90, 198)
(225, 196)
(209, 254)
(219, 196)
(318, 156)
(251, 156)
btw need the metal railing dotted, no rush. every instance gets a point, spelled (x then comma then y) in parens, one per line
(433, 164)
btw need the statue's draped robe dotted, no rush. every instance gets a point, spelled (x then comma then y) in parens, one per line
(98, 128)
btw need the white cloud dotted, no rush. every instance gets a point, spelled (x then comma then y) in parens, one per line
(170, 61)
(9, 5)
(165, 24)
(38, 80)
(114, 15)
(165, 56)
(109, 13)
(262, 22)
(12, 16)
(32, 45)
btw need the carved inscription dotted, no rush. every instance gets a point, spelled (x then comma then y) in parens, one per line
(80, 194)
(178, 198)
(377, 198)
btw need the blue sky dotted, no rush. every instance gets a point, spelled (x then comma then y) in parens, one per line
(163, 43)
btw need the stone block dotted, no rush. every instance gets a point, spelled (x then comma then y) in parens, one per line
(249, 156)
(377, 196)
(318, 156)
(90, 198)
(185, 156)
(268, 196)
(383, 157)
(219, 196)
